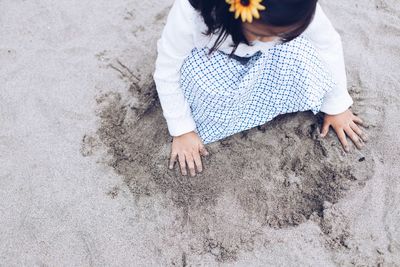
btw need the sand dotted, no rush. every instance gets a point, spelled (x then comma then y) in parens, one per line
(84, 151)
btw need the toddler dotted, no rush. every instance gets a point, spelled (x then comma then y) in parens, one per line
(225, 66)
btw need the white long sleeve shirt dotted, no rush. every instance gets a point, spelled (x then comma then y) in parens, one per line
(183, 32)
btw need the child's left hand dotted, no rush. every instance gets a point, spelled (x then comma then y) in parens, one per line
(345, 123)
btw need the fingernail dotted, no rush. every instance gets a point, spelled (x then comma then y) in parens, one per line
(347, 149)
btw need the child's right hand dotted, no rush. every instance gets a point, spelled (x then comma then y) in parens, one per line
(188, 148)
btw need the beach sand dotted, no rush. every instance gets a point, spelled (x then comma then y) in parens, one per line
(84, 150)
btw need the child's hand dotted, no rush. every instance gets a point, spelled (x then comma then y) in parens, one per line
(345, 123)
(188, 148)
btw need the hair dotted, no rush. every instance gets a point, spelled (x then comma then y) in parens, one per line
(279, 13)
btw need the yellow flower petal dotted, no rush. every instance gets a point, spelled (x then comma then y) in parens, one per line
(243, 16)
(260, 7)
(255, 13)
(237, 13)
(249, 16)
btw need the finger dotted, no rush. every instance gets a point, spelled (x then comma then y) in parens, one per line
(325, 129)
(197, 161)
(358, 120)
(172, 160)
(182, 163)
(354, 137)
(343, 140)
(203, 151)
(358, 131)
(190, 162)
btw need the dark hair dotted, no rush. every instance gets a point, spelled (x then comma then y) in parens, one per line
(279, 13)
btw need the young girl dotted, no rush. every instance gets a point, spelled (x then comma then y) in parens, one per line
(225, 66)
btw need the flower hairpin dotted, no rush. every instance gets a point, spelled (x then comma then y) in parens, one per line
(246, 9)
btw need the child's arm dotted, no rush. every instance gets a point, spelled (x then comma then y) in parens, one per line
(329, 46)
(337, 102)
(173, 47)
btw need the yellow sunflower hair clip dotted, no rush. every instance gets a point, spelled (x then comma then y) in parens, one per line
(246, 9)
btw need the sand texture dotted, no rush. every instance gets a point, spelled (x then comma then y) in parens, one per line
(84, 150)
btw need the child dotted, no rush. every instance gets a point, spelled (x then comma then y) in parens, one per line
(225, 66)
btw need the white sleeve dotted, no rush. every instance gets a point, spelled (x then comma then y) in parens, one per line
(173, 47)
(329, 45)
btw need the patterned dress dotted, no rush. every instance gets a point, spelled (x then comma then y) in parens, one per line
(230, 95)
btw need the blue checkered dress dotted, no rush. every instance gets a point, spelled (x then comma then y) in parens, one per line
(230, 95)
